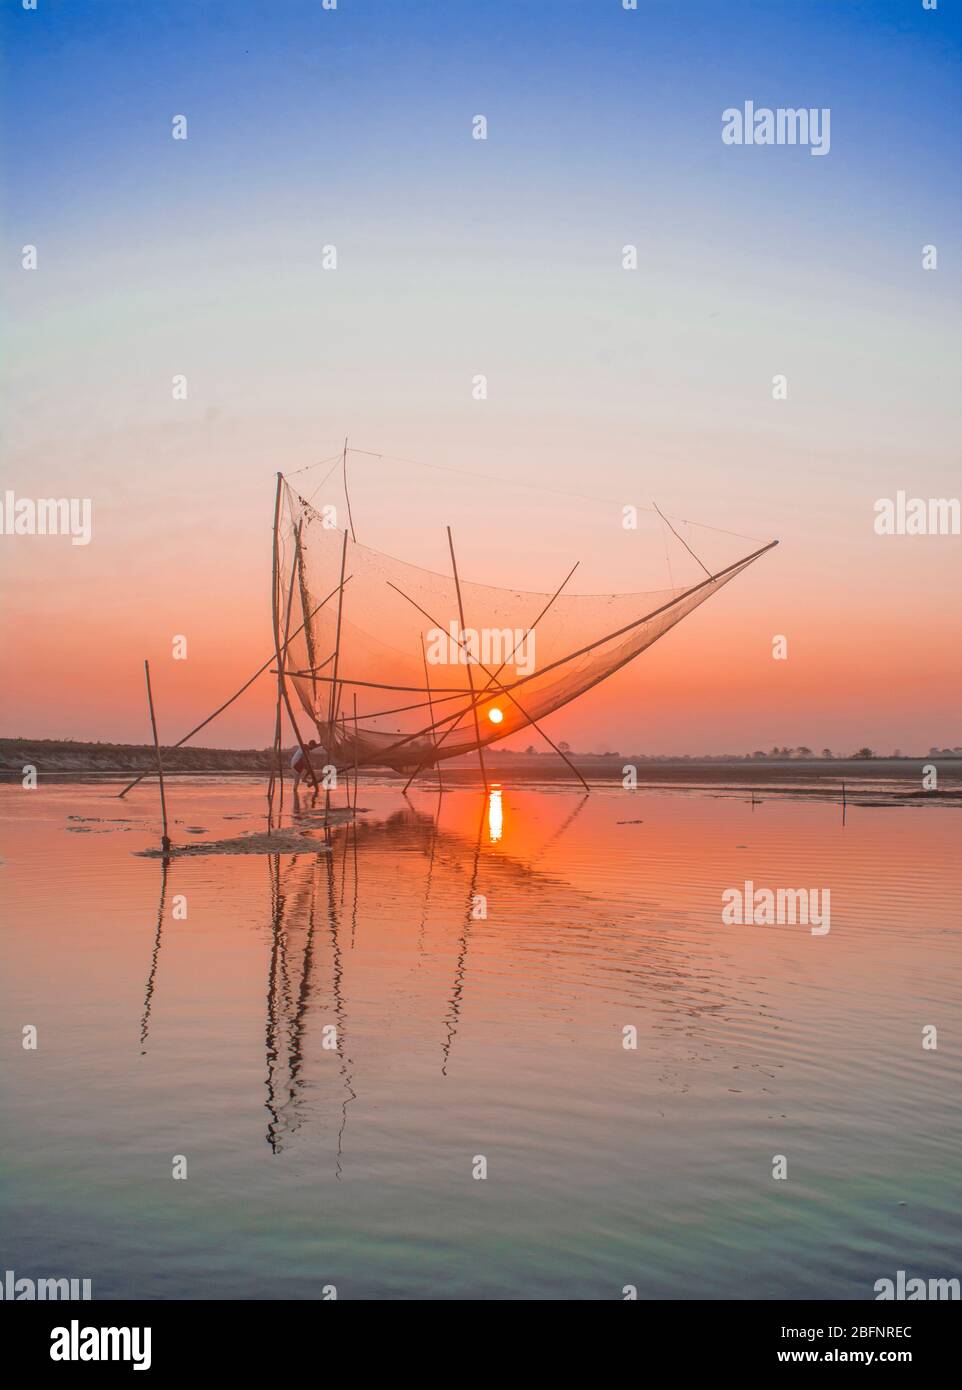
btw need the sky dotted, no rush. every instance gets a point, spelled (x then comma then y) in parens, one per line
(456, 257)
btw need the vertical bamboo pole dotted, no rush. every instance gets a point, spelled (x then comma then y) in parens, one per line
(270, 783)
(278, 739)
(165, 838)
(337, 641)
(280, 656)
(355, 752)
(305, 609)
(280, 651)
(354, 828)
(477, 726)
(236, 695)
(337, 657)
(347, 495)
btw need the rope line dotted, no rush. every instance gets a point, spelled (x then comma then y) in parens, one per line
(508, 482)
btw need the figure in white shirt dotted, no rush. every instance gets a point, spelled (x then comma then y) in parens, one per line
(298, 763)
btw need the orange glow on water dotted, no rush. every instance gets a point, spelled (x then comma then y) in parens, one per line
(495, 815)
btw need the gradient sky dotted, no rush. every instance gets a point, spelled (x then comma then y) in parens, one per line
(503, 257)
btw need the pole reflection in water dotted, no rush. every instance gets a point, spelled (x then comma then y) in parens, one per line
(333, 1033)
(332, 951)
(306, 1004)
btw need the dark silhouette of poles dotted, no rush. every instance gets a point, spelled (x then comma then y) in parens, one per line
(474, 706)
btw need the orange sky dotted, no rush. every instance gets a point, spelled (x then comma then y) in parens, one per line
(873, 643)
(458, 259)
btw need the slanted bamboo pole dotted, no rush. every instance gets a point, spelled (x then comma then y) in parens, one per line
(570, 656)
(434, 734)
(282, 695)
(454, 722)
(281, 649)
(165, 838)
(305, 607)
(493, 680)
(581, 651)
(477, 725)
(682, 539)
(453, 690)
(236, 695)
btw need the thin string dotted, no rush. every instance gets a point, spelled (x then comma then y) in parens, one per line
(537, 487)
(506, 482)
(330, 473)
(681, 538)
(292, 473)
(671, 577)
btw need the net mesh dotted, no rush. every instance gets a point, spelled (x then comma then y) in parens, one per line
(387, 673)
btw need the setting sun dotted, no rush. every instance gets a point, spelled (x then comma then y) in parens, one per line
(495, 716)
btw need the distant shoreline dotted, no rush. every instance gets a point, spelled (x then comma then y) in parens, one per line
(62, 760)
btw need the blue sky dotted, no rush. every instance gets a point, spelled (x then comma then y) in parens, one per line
(353, 127)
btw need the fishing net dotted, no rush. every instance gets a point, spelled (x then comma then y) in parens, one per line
(388, 673)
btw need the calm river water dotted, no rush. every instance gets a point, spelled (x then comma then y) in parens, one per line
(333, 1044)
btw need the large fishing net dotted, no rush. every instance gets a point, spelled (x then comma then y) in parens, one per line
(388, 673)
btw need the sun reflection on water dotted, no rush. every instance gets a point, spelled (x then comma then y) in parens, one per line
(495, 815)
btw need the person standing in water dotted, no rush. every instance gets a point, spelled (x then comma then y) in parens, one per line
(299, 767)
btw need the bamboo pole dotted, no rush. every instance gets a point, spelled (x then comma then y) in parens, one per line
(337, 648)
(278, 736)
(682, 539)
(277, 772)
(165, 838)
(273, 778)
(600, 641)
(283, 699)
(434, 735)
(493, 680)
(333, 690)
(570, 656)
(453, 690)
(454, 722)
(347, 495)
(305, 605)
(581, 651)
(282, 681)
(236, 696)
(355, 752)
(477, 725)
